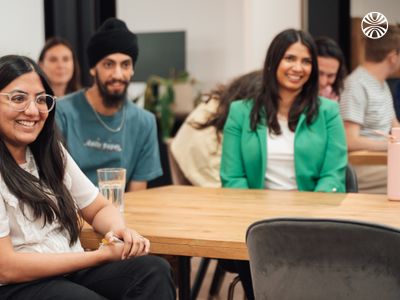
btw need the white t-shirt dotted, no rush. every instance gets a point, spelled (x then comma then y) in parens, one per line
(31, 236)
(280, 173)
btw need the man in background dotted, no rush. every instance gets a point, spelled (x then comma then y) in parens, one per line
(366, 105)
(101, 126)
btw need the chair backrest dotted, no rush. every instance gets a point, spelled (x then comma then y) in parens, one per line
(351, 180)
(323, 259)
(177, 176)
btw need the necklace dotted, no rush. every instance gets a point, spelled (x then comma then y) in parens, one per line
(113, 130)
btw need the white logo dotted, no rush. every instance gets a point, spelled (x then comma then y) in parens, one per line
(374, 25)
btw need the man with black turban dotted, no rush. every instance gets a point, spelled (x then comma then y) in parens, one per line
(102, 128)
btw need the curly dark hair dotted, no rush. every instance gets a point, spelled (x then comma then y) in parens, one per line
(243, 87)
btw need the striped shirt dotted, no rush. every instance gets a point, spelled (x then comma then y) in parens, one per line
(368, 102)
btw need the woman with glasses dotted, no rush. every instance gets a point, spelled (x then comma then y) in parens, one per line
(286, 138)
(44, 197)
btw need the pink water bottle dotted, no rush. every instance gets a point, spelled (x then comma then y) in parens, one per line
(393, 180)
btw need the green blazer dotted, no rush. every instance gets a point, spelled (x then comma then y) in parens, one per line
(320, 150)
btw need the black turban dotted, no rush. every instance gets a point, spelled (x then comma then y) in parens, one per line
(112, 37)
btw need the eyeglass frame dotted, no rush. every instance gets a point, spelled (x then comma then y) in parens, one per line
(34, 100)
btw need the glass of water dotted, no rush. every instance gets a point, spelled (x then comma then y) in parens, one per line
(112, 185)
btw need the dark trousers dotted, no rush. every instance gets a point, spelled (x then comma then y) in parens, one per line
(242, 267)
(145, 277)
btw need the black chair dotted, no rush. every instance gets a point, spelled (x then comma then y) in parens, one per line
(351, 180)
(351, 187)
(323, 259)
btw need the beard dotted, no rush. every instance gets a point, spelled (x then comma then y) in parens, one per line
(111, 100)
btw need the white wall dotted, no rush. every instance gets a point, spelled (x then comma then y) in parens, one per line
(214, 32)
(264, 19)
(225, 38)
(22, 27)
(390, 8)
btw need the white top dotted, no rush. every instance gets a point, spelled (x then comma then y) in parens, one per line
(31, 236)
(367, 102)
(280, 173)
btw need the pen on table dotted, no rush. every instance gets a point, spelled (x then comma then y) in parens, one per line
(114, 239)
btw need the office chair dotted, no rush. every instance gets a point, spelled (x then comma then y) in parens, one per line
(323, 259)
(351, 180)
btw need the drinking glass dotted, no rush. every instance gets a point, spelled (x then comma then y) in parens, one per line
(112, 185)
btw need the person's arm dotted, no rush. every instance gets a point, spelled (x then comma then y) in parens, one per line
(105, 218)
(21, 266)
(353, 106)
(18, 267)
(134, 186)
(232, 170)
(395, 122)
(333, 173)
(357, 142)
(96, 210)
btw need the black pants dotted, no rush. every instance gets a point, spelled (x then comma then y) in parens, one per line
(145, 277)
(242, 267)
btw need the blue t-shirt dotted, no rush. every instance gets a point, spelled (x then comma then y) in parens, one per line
(93, 146)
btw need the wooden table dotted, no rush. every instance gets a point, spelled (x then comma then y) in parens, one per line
(192, 221)
(367, 158)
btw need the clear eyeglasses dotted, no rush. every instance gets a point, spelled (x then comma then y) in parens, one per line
(20, 101)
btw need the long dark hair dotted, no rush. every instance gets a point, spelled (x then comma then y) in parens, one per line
(39, 193)
(74, 83)
(326, 47)
(266, 103)
(244, 87)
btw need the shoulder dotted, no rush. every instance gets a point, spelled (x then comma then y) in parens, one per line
(358, 78)
(358, 72)
(138, 115)
(70, 101)
(242, 106)
(203, 111)
(328, 107)
(327, 104)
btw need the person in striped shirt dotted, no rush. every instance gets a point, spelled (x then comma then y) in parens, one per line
(366, 105)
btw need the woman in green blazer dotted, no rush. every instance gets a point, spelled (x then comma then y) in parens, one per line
(287, 108)
(286, 138)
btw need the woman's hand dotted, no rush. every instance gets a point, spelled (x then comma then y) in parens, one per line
(133, 243)
(328, 92)
(111, 250)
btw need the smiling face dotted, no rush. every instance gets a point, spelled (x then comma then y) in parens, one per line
(20, 128)
(295, 68)
(58, 64)
(328, 68)
(112, 75)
